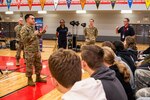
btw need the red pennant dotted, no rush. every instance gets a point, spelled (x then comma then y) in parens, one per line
(18, 3)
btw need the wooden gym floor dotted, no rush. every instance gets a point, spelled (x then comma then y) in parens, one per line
(13, 86)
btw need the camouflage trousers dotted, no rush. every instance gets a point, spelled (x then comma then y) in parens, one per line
(144, 92)
(142, 80)
(33, 59)
(19, 47)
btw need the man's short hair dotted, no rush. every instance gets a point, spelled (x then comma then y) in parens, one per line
(27, 16)
(93, 56)
(92, 20)
(65, 67)
(62, 20)
(127, 19)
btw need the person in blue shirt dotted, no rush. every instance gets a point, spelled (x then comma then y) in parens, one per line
(61, 34)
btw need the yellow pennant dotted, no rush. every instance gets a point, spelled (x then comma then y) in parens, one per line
(83, 2)
(147, 2)
(30, 3)
(42, 3)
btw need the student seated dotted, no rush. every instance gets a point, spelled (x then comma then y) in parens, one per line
(130, 46)
(124, 54)
(122, 73)
(118, 59)
(142, 79)
(65, 67)
(92, 62)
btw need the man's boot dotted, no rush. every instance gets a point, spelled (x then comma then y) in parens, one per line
(30, 82)
(39, 79)
(17, 63)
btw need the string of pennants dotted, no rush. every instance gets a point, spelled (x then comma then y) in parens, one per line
(68, 2)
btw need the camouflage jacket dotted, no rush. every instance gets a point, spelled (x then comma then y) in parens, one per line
(90, 34)
(17, 30)
(30, 40)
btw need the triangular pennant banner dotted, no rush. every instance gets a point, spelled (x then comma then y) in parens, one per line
(68, 3)
(130, 3)
(1, 1)
(8, 3)
(113, 2)
(147, 2)
(83, 2)
(97, 3)
(42, 3)
(30, 3)
(18, 3)
(56, 3)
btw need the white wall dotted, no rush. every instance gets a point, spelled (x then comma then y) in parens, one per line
(105, 21)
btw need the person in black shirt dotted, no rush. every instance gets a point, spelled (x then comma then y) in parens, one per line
(61, 34)
(125, 30)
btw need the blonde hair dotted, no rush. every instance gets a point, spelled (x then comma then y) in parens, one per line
(109, 57)
(130, 43)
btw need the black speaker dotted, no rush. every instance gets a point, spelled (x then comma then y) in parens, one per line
(13, 45)
(69, 41)
(74, 41)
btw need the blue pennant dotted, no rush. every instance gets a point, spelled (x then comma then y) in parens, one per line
(68, 3)
(8, 3)
(130, 3)
(113, 2)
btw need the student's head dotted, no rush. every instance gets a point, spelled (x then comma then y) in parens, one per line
(65, 67)
(126, 21)
(109, 60)
(118, 45)
(91, 22)
(92, 57)
(30, 19)
(130, 43)
(20, 21)
(109, 55)
(109, 44)
(62, 22)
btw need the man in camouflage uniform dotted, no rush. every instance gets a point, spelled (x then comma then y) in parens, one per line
(90, 33)
(142, 80)
(30, 38)
(19, 44)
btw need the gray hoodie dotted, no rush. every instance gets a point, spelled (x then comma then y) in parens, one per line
(112, 86)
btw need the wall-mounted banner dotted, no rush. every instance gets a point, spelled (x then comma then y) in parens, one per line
(18, 3)
(68, 3)
(56, 4)
(39, 27)
(1, 1)
(97, 2)
(83, 2)
(113, 2)
(8, 3)
(147, 2)
(130, 2)
(30, 3)
(42, 3)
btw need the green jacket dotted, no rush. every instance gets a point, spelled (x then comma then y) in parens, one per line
(17, 30)
(30, 40)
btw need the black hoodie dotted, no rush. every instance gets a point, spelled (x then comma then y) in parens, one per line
(112, 86)
(126, 56)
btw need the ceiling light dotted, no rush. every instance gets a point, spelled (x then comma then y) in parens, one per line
(126, 11)
(9, 12)
(80, 11)
(42, 12)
